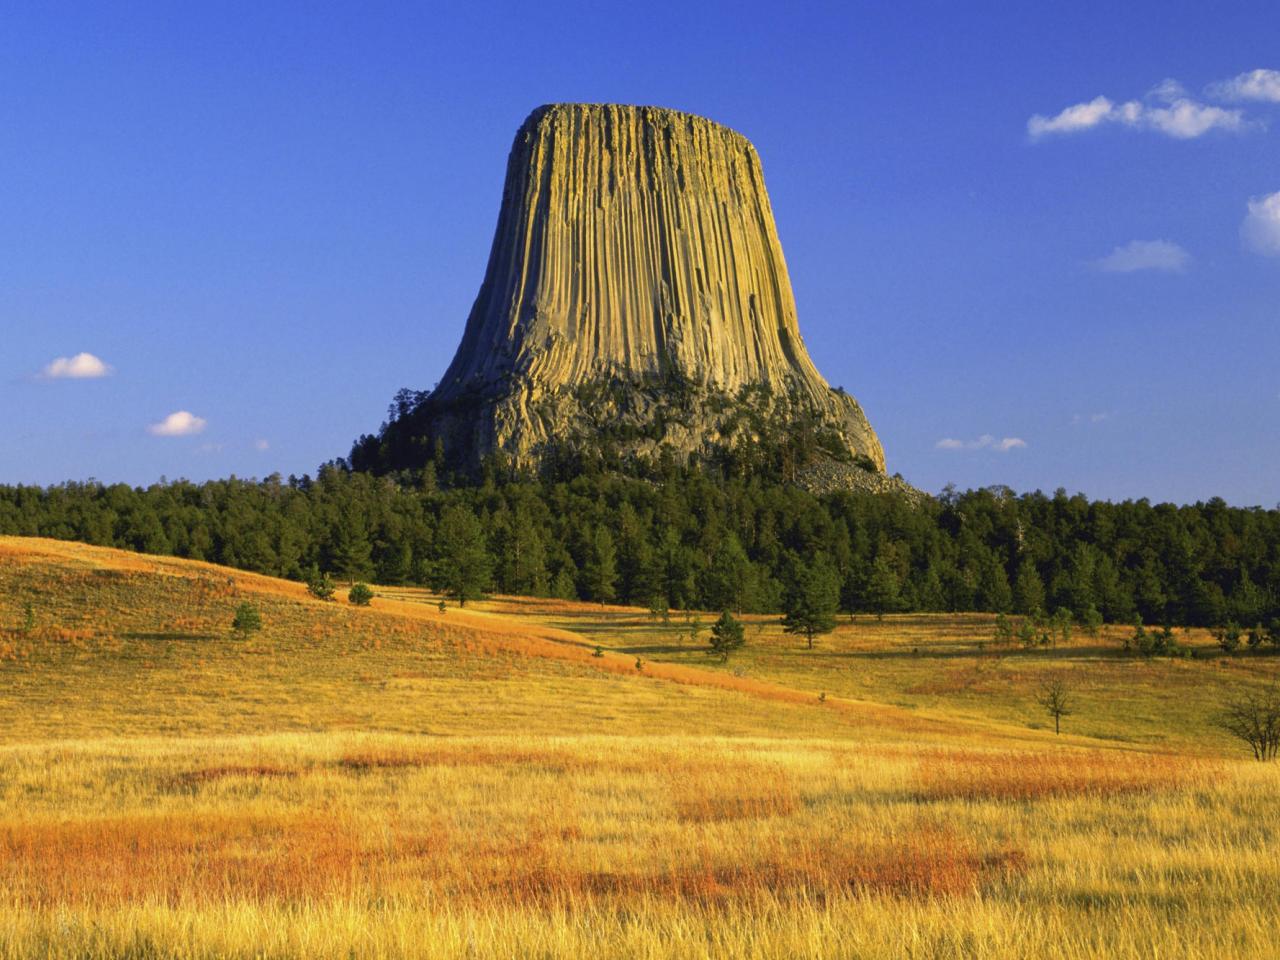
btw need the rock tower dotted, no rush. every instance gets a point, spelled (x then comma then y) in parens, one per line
(636, 291)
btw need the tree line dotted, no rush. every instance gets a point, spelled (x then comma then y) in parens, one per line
(694, 538)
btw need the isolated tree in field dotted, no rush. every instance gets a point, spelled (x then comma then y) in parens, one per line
(360, 594)
(1061, 626)
(1254, 717)
(1055, 697)
(727, 635)
(465, 567)
(811, 601)
(247, 619)
(1091, 621)
(319, 585)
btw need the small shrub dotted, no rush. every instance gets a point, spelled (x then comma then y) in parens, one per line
(360, 594)
(247, 619)
(1256, 636)
(1004, 630)
(1228, 636)
(1091, 621)
(319, 585)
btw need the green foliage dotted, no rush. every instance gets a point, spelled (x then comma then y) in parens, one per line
(1061, 625)
(1228, 636)
(360, 594)
(1028, 589)
(811, 600)
(600, 574)
(247, 619)
(727, 635)
(1003, 630)
(702, 536)
(465, 566)
(883, 593)
(1027, 632)
(320, 585)
(1091, 620)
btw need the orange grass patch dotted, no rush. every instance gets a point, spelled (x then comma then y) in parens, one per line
(1032, 776)
(207, 856)
(749, 792)
(175, 858)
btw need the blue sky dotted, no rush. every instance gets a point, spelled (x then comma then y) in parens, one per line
(270, 217)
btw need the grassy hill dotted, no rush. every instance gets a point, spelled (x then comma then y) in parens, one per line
(401, 781)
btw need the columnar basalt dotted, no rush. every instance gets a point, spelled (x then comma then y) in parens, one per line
(635, 258)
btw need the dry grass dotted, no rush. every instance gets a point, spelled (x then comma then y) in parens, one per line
(396, 782)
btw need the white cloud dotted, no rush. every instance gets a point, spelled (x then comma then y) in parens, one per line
(83, 366)
(181, 423)
(1254, 85)
(1082, 116)
(984, 442)
(1145, 255)
(1180, 116)
(1186, 119)
(262, 445)
(1167, 91)
(1261, 228)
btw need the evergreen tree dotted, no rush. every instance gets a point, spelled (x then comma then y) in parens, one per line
(1028, 589)
(882, 593)
(353, 554)
(726, 636)
(600, 575)
(727, 580)
(811, 600)
(464, 567)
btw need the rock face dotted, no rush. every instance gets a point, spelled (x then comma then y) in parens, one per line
(636, 285)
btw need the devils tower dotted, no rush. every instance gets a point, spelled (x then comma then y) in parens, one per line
(636, 296)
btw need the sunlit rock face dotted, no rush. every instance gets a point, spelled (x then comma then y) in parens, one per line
(636, 283)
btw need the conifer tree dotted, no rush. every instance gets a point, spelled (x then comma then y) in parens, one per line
(811, 600)
(464, 564)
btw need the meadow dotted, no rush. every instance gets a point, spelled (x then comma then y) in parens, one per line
(404, 781)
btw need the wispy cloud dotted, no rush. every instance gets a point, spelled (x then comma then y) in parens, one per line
(1145, 255)
(180, 423)
(1166, 109)
(261, 445)
(984, 442)
(83, 366)
(1091, 418)
(1261, 228)
(1255, 85)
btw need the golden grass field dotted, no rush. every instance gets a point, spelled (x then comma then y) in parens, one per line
(396, 781)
